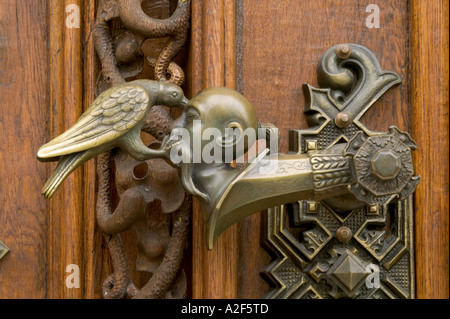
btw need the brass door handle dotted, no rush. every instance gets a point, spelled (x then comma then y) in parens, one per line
(333, 172)
(364, 171)
(338, 161)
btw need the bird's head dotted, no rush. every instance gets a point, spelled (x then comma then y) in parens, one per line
(226, 114)
(171, 95)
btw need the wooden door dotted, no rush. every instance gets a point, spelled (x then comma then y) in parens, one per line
(265, 50)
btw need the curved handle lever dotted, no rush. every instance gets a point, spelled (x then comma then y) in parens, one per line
(368, 169)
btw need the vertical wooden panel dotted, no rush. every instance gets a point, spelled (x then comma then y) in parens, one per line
(72, 211)
(194, 82)
(56, 67)
(430, 111)
(214, 273)
(94, 255)
(23, 128)
(66, 213)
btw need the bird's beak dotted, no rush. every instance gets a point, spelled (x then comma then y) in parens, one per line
(184, 103)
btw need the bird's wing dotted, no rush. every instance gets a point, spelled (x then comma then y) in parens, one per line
(114, 113)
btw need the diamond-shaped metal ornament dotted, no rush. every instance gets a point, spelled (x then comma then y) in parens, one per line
(3, 250)
(348, 273)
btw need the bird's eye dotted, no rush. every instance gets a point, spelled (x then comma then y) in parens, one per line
(174, 94)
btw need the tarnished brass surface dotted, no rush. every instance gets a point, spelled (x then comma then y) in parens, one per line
(382, 166)
(344, 234)
(114, 119)
(367, 170)
(229, 194)
(345, 190)
(151, 197)
(357, 245)
(3, 250)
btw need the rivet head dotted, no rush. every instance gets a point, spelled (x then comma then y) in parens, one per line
(342, 120)
(344, 234)
(343, 51)
(386, 164)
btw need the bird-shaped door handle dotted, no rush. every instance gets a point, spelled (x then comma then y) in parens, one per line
(358, 167)
(114, 119)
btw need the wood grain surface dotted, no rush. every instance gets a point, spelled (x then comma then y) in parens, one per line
(430, 108)
(24, 124)
(96, 261)
(66, 231)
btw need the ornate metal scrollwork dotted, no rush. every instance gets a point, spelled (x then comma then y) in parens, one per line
(350, 246)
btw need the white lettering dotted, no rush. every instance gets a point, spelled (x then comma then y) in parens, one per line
(373, 279)
(373, 19)
(198, 309)
(73, 19)
(73, 280)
